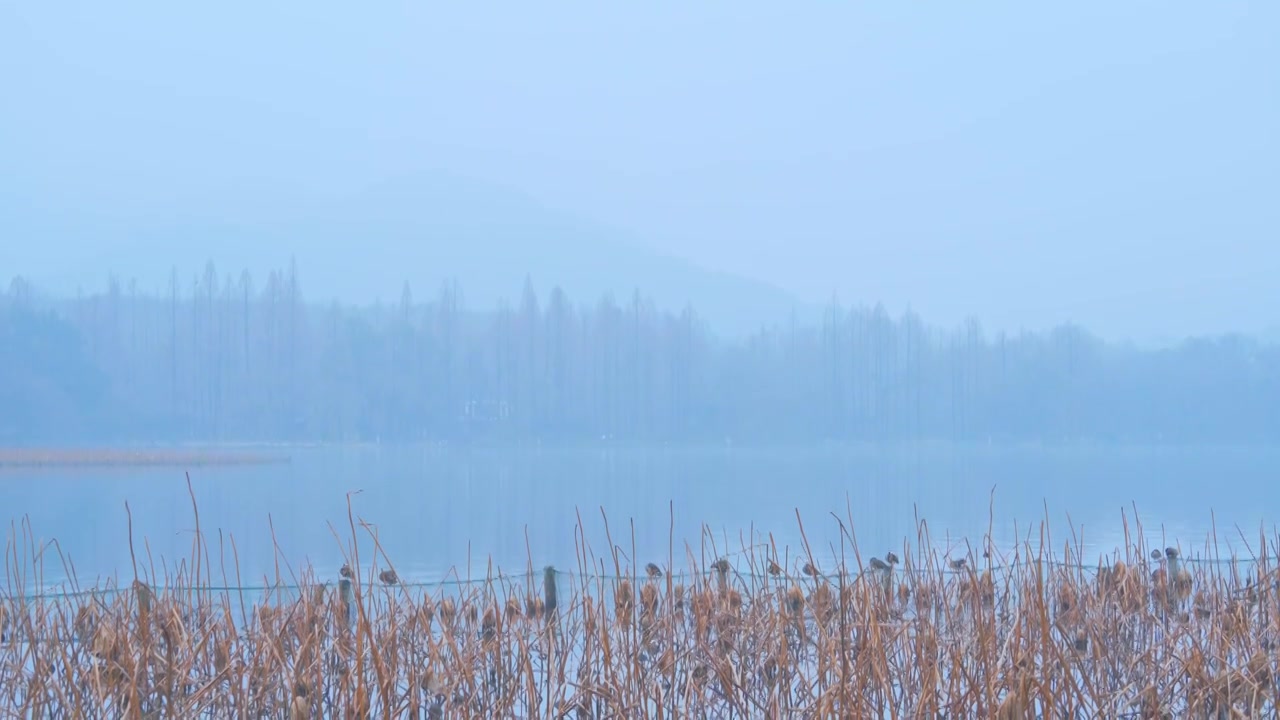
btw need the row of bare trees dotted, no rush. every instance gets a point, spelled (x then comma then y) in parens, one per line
(219, 357)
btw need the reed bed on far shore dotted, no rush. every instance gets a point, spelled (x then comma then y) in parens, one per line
(40, 458)
(706, 632)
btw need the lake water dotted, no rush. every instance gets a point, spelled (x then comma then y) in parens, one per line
(435, 507)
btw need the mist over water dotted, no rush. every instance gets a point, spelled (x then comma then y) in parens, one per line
(433, 508)
(561, 325)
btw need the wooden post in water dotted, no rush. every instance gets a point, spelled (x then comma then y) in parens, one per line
(347, 596)
(549, 590)
(549, 603)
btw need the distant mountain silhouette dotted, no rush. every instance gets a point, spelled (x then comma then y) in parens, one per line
(422, 229)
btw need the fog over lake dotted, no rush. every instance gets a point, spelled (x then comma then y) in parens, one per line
(435, 507)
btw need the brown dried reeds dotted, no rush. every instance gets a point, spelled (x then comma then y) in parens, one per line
(1024, 633)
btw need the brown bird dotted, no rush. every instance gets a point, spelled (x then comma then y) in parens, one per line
(1170, 557)
(885, 571)
(722, 573)
(958, 564)
(345, 571)
(389, 577)
(774, 569)
(809, 570)
(653, 570)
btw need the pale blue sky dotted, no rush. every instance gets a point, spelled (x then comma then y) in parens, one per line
(1111, 163)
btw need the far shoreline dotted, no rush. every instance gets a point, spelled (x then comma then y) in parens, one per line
(26, 458)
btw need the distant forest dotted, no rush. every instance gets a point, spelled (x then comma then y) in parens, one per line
(228, 359)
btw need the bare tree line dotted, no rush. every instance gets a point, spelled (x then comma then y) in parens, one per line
(219, 357)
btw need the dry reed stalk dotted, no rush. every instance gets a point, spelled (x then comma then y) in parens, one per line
(1019, 633)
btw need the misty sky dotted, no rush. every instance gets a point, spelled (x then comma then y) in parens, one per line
(1110, 163)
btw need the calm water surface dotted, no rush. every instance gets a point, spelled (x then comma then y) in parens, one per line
(434, 508)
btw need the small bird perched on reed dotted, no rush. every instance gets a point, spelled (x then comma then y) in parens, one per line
(1160, 575)
(653, 570)
(774, 568)
(958, 564)
(810, 570)
(721, 567)
(345, 571)
(884, 568)
(389, 577)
